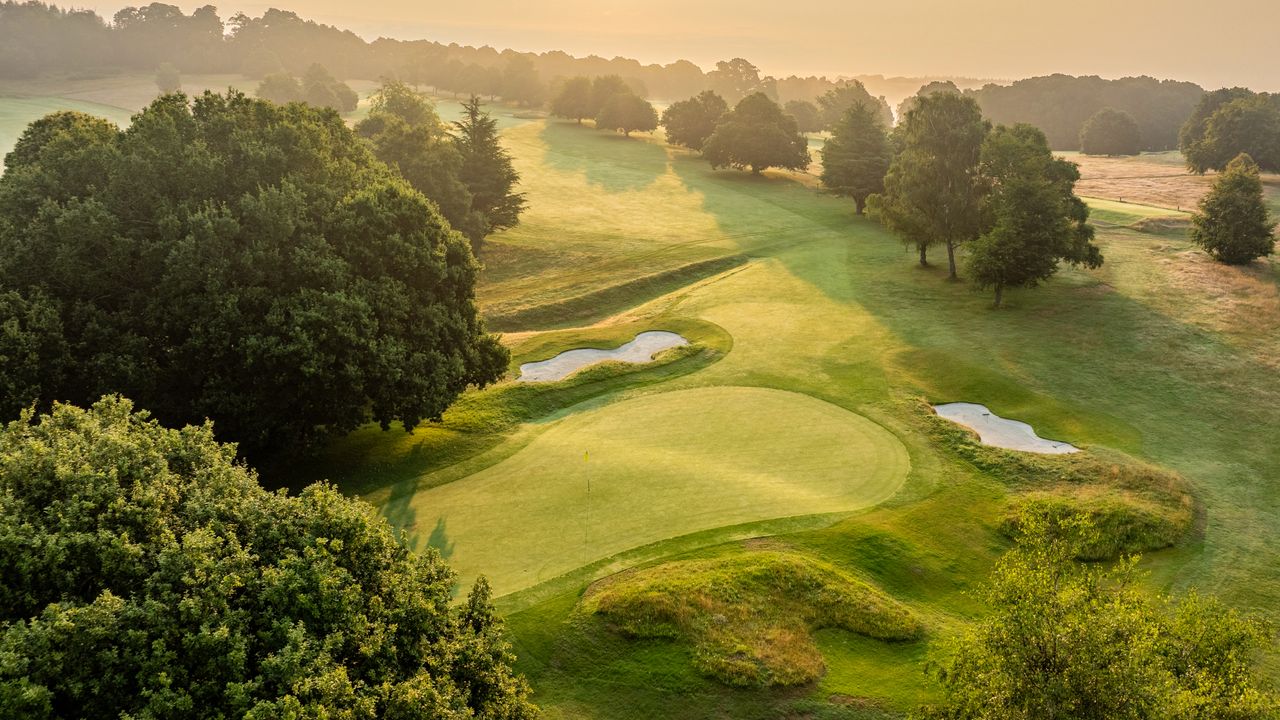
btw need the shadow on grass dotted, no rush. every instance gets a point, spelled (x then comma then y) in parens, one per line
(634, 163)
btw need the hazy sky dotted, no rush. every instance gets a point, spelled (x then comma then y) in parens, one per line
(1212, 42)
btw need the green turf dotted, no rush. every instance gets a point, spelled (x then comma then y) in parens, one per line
(606, 480)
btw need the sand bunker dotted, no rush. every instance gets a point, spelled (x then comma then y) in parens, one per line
(1001, 432)
(640, 350)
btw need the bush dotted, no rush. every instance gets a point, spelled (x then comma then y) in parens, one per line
(1121, 523)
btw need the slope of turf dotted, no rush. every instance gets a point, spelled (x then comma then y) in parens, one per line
(606, 480)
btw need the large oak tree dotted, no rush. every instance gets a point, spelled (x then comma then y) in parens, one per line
(756, 135)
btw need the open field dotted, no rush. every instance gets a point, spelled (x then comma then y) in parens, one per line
(794, 422)
(1155, 179)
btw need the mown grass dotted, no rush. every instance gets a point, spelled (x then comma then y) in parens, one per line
(750, 618)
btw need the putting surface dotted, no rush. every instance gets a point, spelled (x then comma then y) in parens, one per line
(659, 466)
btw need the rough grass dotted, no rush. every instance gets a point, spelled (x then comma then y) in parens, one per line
(1121, 523)
(750, 618)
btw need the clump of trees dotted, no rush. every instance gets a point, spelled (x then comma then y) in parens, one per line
(806, 115)
(690, 122)
(609, 99)
(834, 103)
(934, 188)
(200, 264)
(1111, 132)
(146, 573)
(1233, 223)
(1229, 122)
(1035, 220)
(856, 156)
(757, 135)
(316, 87)
(1072, 641)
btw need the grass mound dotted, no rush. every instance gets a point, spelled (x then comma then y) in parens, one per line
(750, 617)
(1122, 523)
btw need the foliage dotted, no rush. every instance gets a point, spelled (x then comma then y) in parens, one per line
(1124, 523)
(690, 122)
(757, 135)
(1111, 132)
(856, 156)
(750, 616)
(1066, 640)
(934, 188)
(805, 114)
(280, 88)
(932, 88)
(146, 574)
(833, 104)
(168, 79)
(626, 113)
(486, 170)
(1233, 223)
(242, 261)
(1060, 105)
(1230, 122)
(735, 79)
(573, 100)
(604, 88)
(406, 134)
(1036, 219)
(322, 89)
(520, 81)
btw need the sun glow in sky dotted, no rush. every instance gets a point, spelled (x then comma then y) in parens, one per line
(1225, 42)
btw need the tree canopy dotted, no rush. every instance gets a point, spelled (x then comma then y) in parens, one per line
(486, 170)
(280, 88)
(735, 79)
(934, 189)
(1036, 221)
(233, 259)
(1111, 132)
(322, 89)
(833, 104)
(1230, 122)
(931, 88)
(573, 100)
(145, 573)
(856, 156)
(1233, 223)
(690, 122)
(757, 135)
(806, 115)
(168, 78)
(627, 113)
(1070, 641)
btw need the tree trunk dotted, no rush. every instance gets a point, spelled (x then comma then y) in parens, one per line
(626, 133)
(924, 258)
(951, 259)
(861, 204)
(999, 293)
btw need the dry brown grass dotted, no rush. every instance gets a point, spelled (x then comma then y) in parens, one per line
(1158, 179)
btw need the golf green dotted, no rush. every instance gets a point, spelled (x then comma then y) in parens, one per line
(606, 480)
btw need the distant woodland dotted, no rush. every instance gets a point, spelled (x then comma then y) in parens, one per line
(40, 39)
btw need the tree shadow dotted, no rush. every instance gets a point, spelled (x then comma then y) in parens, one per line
(633, 163)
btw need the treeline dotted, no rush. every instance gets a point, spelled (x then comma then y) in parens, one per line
(1060, 105)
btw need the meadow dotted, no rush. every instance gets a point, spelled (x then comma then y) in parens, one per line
(794, 430)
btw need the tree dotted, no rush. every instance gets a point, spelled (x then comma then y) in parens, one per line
(603, 89)
(573, 100)
(1233, 224)
(321, 89)
(626, 112)
(934, 189)
(856, 156)
(757, 135)
(1193, 130)
(241, 261)
(1037, 221)
(833, 104)
(690, 122)
(1068, 641)
(737, 78)
(145, 573)
(1111, 132)
(805, 114)
(486, 170)
(520, 81)
(280, 88)
(931, 88)
(168, 79)
(1249, 125)
(406, 134)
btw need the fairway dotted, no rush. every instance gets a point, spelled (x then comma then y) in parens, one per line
(657, 467)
